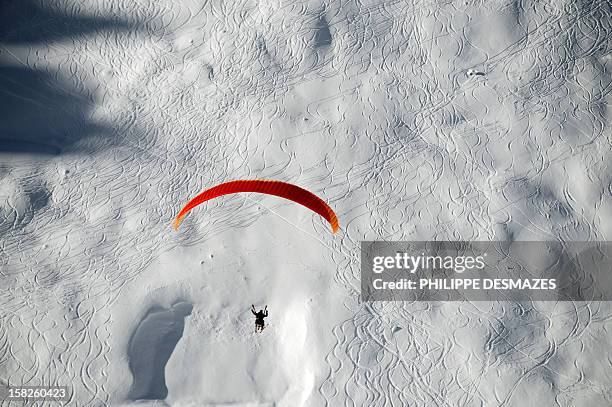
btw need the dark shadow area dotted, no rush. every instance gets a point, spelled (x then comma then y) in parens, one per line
(26, 21)
(150, 348)
(323, 36)
(39, 113)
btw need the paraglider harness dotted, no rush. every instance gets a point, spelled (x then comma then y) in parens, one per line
(259, 318)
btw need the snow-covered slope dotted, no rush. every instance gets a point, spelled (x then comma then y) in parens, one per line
(414, 120)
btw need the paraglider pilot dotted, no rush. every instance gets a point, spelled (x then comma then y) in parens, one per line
(259, 318)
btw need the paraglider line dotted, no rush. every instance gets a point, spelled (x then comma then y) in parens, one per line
(292, 224)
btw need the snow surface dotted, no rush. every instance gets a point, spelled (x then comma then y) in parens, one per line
(414, 120)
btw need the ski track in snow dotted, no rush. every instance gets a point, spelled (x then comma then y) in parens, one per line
(371, 105)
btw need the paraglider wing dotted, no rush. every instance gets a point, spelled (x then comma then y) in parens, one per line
(269, 187)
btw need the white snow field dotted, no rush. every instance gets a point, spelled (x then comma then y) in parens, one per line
(414, 120)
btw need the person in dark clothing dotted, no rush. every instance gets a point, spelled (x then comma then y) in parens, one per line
(259, 318)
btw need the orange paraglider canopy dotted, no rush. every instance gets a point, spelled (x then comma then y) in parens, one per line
(269, 187)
